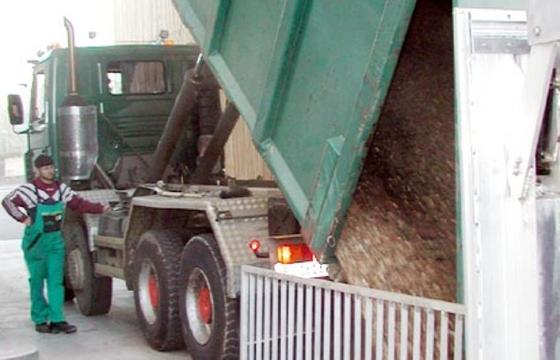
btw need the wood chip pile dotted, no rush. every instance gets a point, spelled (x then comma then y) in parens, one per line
(400, 228)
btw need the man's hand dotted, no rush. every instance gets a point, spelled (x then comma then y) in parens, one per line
(106, 208)
(27, 221)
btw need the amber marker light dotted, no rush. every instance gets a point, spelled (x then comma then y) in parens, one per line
(293, 253)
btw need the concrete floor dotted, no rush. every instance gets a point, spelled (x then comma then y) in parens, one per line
(11, 229)
(112, 336)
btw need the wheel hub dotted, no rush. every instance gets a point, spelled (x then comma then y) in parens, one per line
(205, 305)
(148, 291)
(199, 306)
(153, 290)
(76, 269)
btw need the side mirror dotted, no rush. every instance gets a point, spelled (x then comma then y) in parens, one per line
(15, 109)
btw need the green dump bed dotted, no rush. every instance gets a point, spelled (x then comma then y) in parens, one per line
(309, 77)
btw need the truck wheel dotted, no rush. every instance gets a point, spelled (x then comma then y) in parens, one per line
(208, 317)
(93, 294)
(156, 272)
(68, 291)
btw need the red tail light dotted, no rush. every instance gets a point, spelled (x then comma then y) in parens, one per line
(255, 245)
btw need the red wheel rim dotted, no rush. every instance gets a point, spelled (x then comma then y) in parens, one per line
(153, 290)
(205, 305)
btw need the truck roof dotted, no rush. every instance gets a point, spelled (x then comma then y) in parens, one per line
(144, 49)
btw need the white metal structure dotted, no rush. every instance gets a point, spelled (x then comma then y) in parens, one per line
(504, 86)
(285, 317)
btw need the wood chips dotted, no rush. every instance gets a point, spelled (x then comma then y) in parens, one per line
(400, 228)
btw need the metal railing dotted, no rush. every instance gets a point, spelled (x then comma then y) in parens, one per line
(285, 317)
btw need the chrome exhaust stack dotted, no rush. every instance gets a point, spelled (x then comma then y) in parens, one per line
(72, 81)
(77, 125)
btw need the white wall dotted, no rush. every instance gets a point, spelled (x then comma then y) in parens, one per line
(142, 20)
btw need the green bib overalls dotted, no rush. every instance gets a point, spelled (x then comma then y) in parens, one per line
(43, 249)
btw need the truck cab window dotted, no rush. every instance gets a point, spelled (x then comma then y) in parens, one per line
(38, 97)
(135, 77)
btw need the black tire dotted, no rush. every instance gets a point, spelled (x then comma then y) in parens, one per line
(93, 294)
(68, 245)
(156, 262)
(68, 291)
(211, 337)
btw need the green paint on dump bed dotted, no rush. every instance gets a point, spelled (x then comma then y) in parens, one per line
(310, 78)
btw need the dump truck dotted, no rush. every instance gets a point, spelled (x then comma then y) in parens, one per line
(414, 145)
(117, 120)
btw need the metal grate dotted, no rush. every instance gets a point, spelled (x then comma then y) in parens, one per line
(286, 317)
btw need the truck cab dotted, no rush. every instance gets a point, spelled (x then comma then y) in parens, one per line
(133, 88)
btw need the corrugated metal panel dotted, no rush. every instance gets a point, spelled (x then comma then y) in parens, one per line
(242, 159)
(142, 21)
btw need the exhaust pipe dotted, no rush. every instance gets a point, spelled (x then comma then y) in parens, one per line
(77, 125)
(72, 82)
(73, 98)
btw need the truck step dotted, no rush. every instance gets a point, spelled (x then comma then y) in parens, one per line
(111, 271)
(112, 242)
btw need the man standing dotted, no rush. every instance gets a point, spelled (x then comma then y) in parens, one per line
(40, 206)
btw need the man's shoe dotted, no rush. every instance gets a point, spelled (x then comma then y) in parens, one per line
(63, 326)
(43, 328)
